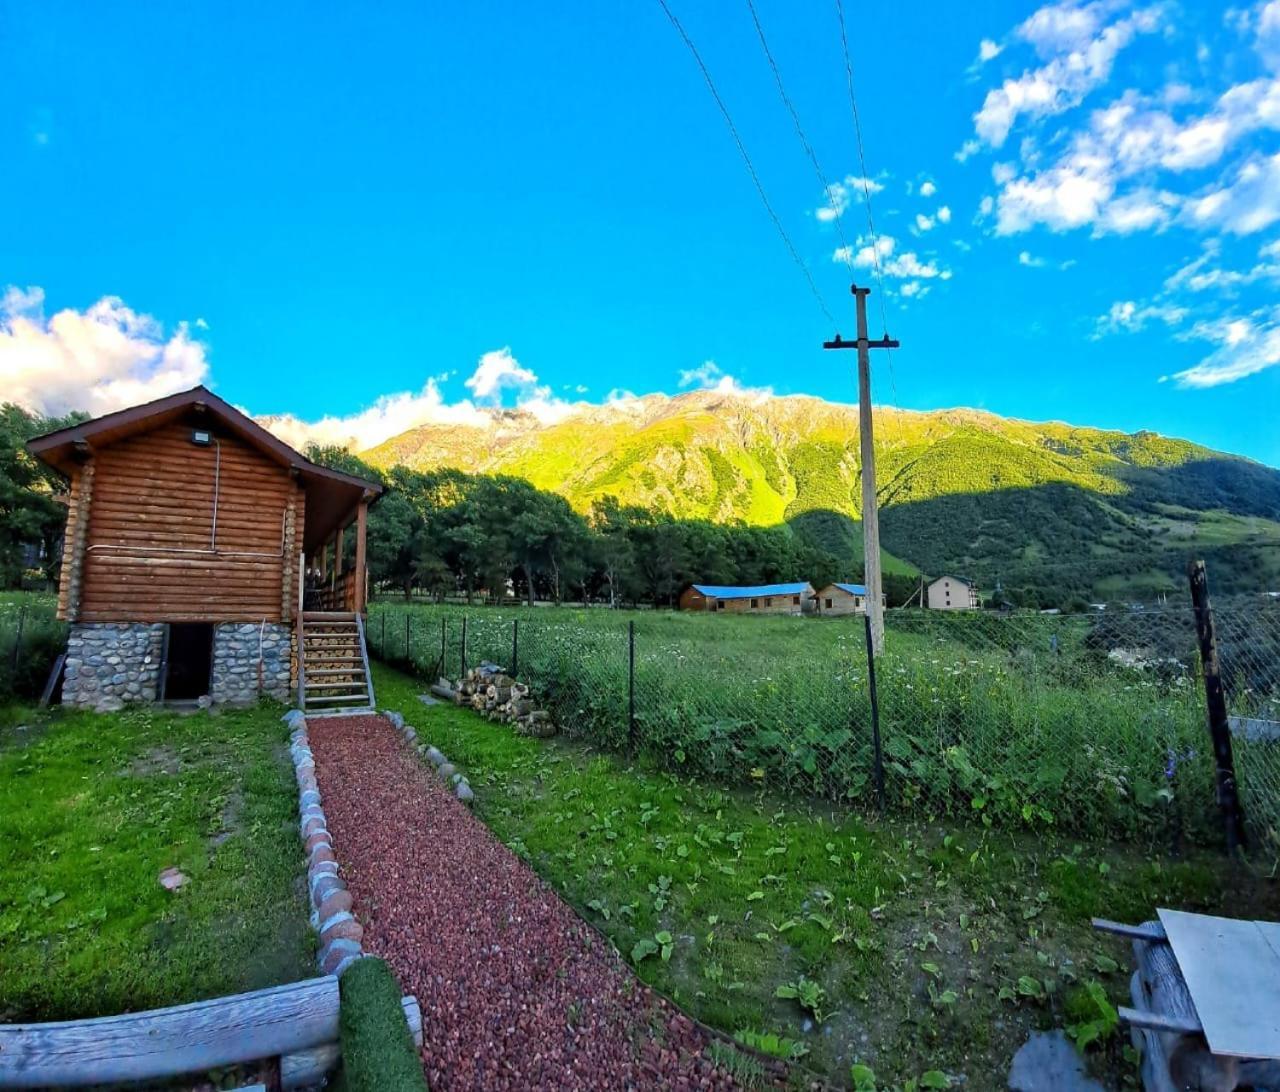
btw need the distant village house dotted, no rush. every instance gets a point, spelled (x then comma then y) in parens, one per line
(837, 599)
(760, 599)
(953, 593)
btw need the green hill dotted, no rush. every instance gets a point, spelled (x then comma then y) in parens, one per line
(1082, 510)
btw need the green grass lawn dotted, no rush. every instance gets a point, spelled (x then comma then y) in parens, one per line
(93, 807)
(1023, 717)
(919, 948)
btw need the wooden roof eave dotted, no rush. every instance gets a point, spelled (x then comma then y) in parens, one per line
(333, 494)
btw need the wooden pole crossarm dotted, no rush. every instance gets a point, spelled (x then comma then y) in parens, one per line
(881, 343)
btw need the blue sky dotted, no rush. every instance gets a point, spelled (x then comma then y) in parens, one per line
(314, 207)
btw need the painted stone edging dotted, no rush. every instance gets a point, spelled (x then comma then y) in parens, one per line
(447, 771)
(340, 933)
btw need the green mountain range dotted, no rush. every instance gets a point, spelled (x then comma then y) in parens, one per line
(1104, 514)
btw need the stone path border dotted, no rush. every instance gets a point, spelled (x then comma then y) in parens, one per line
(448, 772)
(340, 934)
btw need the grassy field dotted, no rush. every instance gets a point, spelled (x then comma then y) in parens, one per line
(913, 947)
(93, 807)
(1092, 724)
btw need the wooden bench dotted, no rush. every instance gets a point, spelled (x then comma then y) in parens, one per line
(297, 1023)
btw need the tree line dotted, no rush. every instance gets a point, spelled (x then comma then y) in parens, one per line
(445, 532)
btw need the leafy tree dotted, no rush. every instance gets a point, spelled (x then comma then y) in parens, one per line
(29, 515)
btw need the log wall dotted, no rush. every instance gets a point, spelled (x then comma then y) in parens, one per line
(152, 552)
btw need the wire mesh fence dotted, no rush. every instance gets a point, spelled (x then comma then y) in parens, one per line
(30, 639)
(1093, 723)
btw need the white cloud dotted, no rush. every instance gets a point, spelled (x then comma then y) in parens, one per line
(839, 194)
(1025, 258)
(498, 369)
(1268, 39)
(709, 376)
(903, 266)
(1247, 203)
(1078, 52)
(99, 360)
(389, 416)
(967, 149)
(1245, 346)
(1127, 316)
(988, 50)
(944, 215)
(1200, 275)
(928, 189)
(706, 374)
(393, 414)
(1136, 137)
(923, 222)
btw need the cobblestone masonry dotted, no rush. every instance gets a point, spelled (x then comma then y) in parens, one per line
(110, 664)
(235, 661)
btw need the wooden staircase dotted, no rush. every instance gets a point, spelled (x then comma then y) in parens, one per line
(333, 664)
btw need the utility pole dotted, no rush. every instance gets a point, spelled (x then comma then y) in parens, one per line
(870, 511)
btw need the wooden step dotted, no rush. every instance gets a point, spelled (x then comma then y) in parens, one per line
(356, 672)
(335, 699)
(329, 616)
(345, 684)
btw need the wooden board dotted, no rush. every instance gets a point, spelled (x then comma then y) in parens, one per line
(1231, 969)
(164, 1042)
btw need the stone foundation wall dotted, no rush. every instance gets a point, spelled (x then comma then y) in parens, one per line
(111, 663)
(235, 661)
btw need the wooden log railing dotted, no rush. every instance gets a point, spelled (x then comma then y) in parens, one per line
(297, 1023)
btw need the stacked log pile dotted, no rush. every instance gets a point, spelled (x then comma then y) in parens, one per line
(490, 691)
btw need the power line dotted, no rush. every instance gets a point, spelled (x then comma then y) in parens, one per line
(804, 140)
(866, 183)
(746, 158)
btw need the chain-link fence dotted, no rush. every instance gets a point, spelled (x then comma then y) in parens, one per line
(1094, 723)
(31, 638)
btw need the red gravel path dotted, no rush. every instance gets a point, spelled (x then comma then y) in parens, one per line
(516, 992)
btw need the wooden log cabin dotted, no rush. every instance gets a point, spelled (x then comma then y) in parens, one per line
(206, 560)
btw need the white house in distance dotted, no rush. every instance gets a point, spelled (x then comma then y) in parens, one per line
(953, 593)
(838, 599)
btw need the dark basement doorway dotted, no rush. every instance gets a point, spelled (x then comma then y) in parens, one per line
(189, 661)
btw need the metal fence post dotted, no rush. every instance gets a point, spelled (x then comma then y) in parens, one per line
(464, 648)
(407, 617)
(631, 684)
(1216, 708)
(444, 647)
(382, 640)
(515, 645)
(875, 715)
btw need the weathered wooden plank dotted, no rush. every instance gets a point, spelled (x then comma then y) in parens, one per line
(1231, 971)
(1148, 931)
(165, 1042)
(1155, 1021)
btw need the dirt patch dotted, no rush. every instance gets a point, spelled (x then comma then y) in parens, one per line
(159, 761)
(229, 818)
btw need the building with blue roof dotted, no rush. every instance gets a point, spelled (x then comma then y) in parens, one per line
(794, 598)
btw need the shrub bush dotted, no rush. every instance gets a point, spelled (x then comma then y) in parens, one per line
(30, 640)
(378, 1054)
